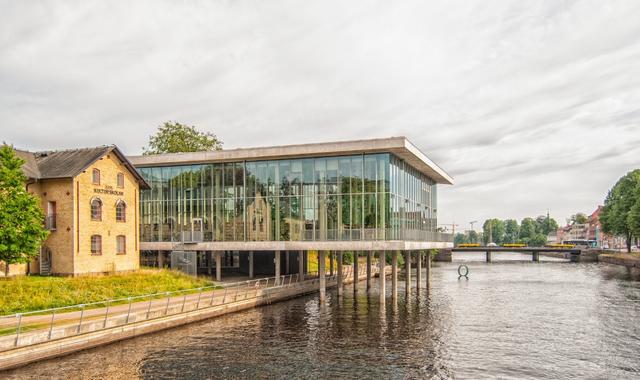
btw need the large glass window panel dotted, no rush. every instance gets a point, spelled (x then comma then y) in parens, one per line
(238, 222)
(272, 179)
(296, 177)
(370, 173)
(239, 179)
(251, 179)
(295, 223)
(356, 174)
(284, 219)
(308, 217)
(229, 173)
(320, 165)
(284, 169)
(344, 173)
(332, 217)
(218, 181)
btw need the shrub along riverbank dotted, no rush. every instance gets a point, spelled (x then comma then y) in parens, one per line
(28, 293)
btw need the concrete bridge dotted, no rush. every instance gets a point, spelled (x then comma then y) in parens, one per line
(572, 254)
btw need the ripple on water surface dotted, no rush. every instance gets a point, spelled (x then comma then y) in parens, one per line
(509, 320)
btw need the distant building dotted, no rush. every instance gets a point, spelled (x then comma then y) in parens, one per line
(90, 200)
(602, 240)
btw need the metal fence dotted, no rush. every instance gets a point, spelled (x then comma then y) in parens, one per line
(24, 329)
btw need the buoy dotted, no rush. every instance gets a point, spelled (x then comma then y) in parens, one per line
(463, 271)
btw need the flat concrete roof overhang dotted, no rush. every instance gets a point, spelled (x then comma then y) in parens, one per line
(376, 245)
(400, 146)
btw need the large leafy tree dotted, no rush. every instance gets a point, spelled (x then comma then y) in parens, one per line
(497, 231)
(578, 218)
(173, 137)
(546, 225)
(21, 218)
(621, 212)
(528, 230)
(511, 231)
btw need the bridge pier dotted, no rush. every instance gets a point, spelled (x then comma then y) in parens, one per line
(356, 271)
(488, 258)
(428, 270)
(535, 256)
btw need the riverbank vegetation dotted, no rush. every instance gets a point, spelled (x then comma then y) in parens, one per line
(621, 212)
(28, 293)
(531, 232)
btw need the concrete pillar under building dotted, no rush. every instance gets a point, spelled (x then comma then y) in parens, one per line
(286, 262)
(218, 265)
(160, 259)
(418, 271)
(321, 275)
(300, 265)
(331, 257)
(428, 270)
(488, 256)
(340, 290)
(209, 262)
(369, 270)
(407, 272)
(356, 274)
(381, 262)
(276, 262)
(394, 276)
(251, 264)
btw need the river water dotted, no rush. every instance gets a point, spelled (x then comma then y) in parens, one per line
(510, 319)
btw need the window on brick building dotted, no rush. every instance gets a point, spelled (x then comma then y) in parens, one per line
(96, 176)
(120, 181)
(121, 244)
(121, 211)
(96, 245)
(96, 209)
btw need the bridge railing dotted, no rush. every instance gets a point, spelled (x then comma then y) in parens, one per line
(33, 327)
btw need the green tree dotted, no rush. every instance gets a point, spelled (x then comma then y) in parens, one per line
(578, 218)
(621, 212)
(474, 237)
(459, 238)
(545, 225)
(173, 137)
(538, 240)
(497, 231)
(528, 230)
(21, 218)
(511, 231)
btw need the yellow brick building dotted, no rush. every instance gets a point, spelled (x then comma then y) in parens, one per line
(90, 200)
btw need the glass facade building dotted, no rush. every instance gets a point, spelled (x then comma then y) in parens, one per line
(360, 197)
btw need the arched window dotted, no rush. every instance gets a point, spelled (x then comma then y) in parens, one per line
(95, 176)
(121, 211)
(96, 209)
(121, 244)
(96, 245)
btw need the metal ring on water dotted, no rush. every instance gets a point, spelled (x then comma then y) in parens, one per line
(466, 271)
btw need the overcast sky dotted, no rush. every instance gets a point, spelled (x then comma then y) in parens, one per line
(529, 105)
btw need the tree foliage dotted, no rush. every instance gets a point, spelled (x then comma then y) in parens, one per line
(21, 217)
(621, 212)
(546, 225)
(497, 231)
(511, 231)
(578, 218)
(173, 137)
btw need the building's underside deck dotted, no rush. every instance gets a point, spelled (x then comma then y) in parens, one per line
(373, 245)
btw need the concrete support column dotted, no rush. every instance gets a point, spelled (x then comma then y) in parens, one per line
(218, 265)
(356, 277)
(321, 273)
(251, 264)
(428, 270)
(407, 272)
(286, 262)
(394, 276)
(209, 262)
(488, 256)
(331, 258)
(160, 259)
(535, 256)
(340, 290)
(418, 271)
(276, 262)
(381, 262)
(301, 265)
(369, 253)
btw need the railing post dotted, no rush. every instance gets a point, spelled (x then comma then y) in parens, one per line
(224, 297)
(199, 296)
(129, 312)
(166, 309)
(106, 314)
(19, 317)
(53, 315)
(81, 316)
(149, 308)
(235, 296)
(213, 292)
(184, 300)
(246, 292)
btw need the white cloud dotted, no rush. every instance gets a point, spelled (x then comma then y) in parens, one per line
(530, 105)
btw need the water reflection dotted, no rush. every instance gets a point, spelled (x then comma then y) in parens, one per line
(516, 319)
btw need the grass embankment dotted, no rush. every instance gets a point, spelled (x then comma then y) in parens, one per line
(29, 293)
